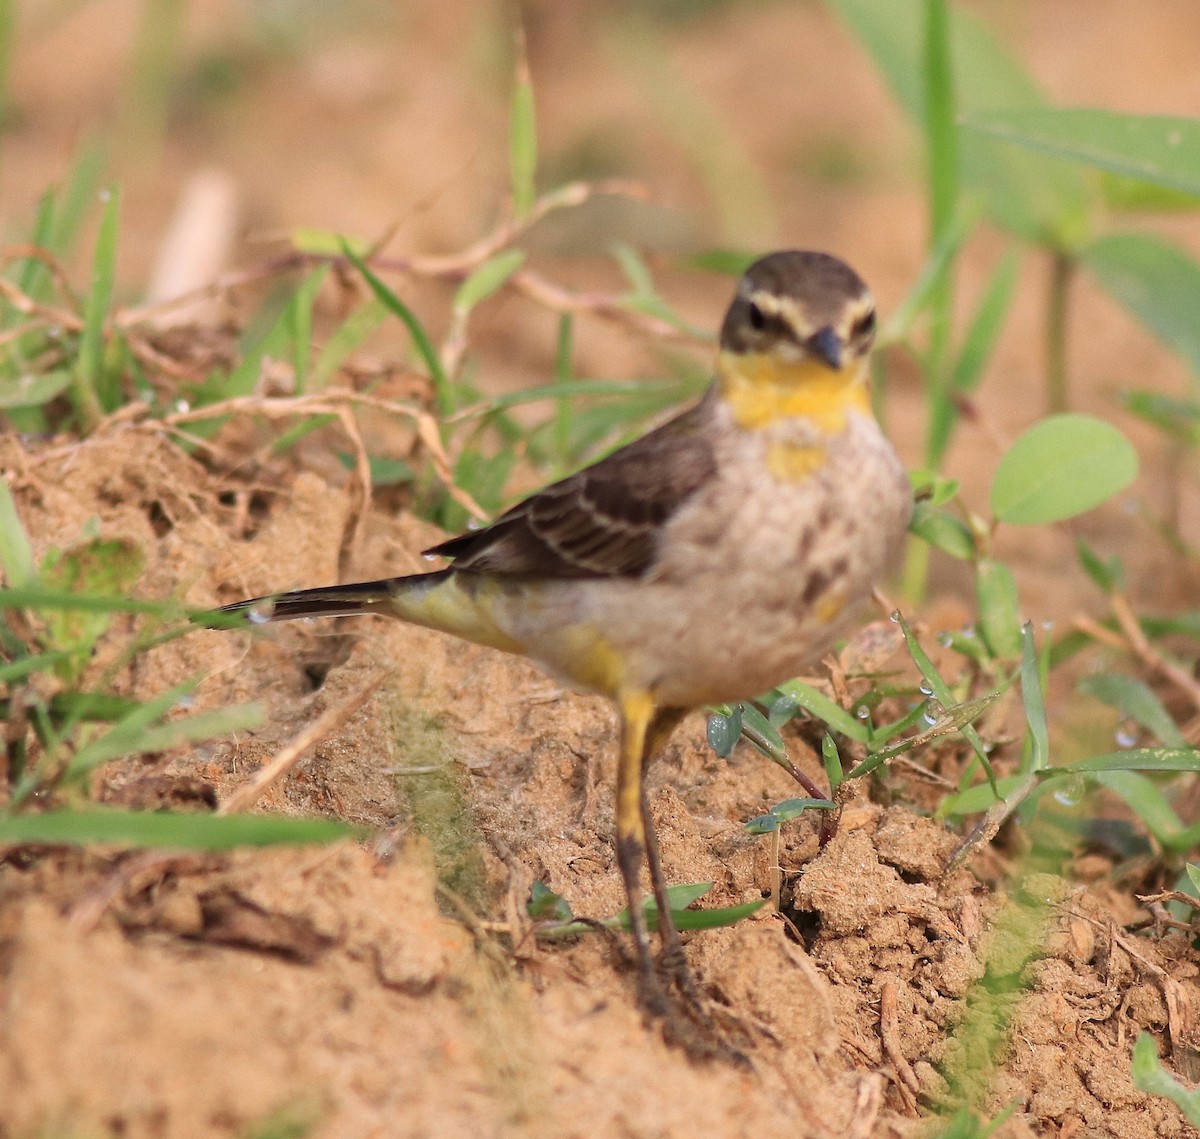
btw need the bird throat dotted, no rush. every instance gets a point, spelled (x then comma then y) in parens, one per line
(764, 392)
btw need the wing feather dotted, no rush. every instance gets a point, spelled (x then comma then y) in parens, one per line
(604, 521)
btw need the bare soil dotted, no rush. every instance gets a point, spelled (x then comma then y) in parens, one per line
(180, 995)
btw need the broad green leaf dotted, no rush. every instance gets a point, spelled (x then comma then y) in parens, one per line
(489, 277)
(1151, 1077)
(1061, 467)
(1134, 700)
(545, 905)
(784, 812)
(724, 730)
(1156, 148)
(1157, 282)
(999, 615)
(164, 829)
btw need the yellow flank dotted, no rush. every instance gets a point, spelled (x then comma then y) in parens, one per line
(789, 463)
(829, 608)
(595, 664)
(762, 389)
(448, 606)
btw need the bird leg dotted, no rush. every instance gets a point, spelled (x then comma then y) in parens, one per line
(673, 959)
(637, 713)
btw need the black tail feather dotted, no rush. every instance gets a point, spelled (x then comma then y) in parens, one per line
(327, 601)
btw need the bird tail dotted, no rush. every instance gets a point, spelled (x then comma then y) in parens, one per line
(330, 600)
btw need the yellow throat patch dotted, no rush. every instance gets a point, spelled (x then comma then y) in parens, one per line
(763, 390)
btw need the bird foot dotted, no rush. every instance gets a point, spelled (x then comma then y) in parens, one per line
(671, 997)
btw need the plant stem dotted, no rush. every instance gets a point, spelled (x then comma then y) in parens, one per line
(1062, 270)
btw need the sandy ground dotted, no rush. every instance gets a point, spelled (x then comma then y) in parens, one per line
(339, 988)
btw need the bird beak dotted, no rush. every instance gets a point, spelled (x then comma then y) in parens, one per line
(828, 346)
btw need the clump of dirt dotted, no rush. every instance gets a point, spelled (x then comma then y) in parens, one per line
(197, 995)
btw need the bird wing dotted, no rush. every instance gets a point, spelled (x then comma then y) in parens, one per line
(603, 521)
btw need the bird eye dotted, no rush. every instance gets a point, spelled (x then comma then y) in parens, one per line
(865, 325)
(757, 320)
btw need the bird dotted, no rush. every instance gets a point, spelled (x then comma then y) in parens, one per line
(703, 563)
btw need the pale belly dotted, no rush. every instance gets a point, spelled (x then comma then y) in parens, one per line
(758, 583)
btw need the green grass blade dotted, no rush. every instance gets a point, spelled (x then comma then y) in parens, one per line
(78, 196)
(941, 165)
(348, 336)
(1156, 282)
(37, 597)
(165, 829)
(420, 339)
(943, 695)
(832, 760)
(1161, 149)
(487, 279)
(1034, 703)
(522, 139)
(1041, 198)
(999, 615)
(819, 705)
(1150, 805)
(984, 330)
(16, 554)
(139, 733)
(1151, 1077)
(1134, 700)
(1135, 759)
(93, 394)
(298, 319)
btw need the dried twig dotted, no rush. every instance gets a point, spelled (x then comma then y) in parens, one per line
(1131, 639)
(287, 757)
